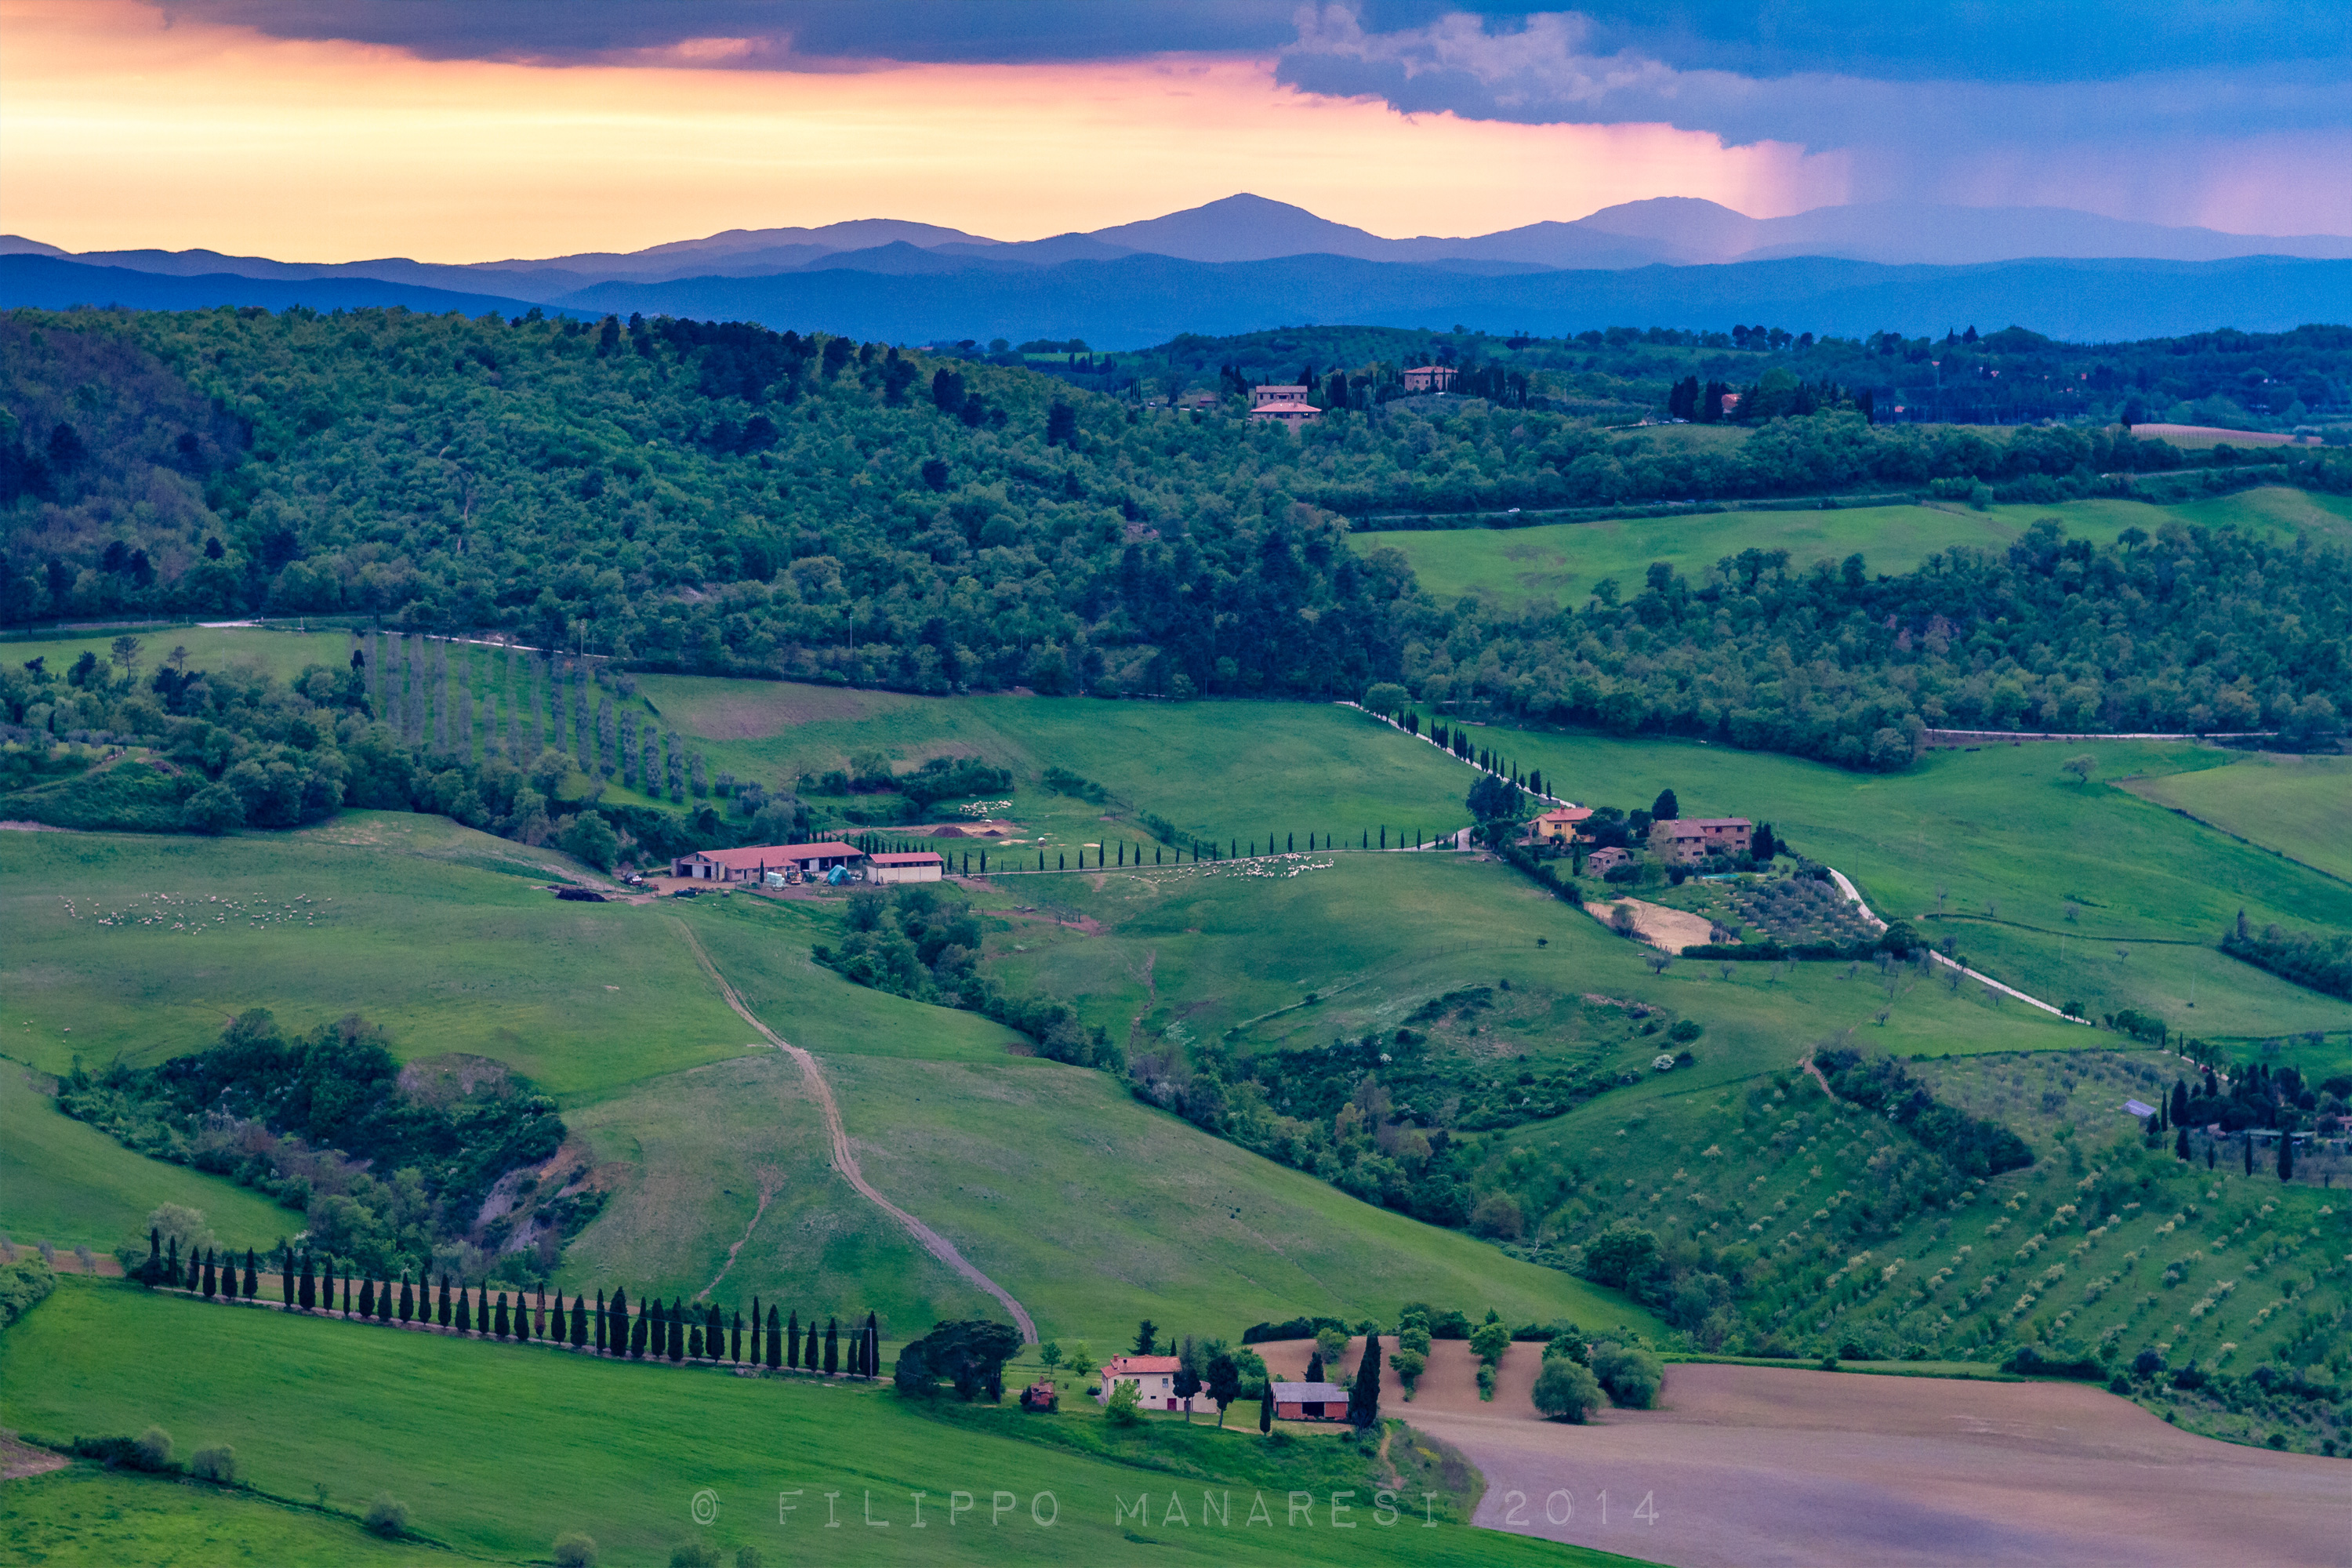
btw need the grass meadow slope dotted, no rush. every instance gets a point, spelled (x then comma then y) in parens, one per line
(1561, 562)
(496, 1449)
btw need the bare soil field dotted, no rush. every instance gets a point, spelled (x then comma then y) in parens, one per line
(1745, 1466)
(1669, 929)
(2215, 435)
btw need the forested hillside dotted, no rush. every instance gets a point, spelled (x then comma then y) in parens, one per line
(728, 499)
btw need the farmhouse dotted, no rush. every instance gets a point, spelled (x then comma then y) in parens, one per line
(1310, 1401)
(1690, 841)
(1154, 1377)
(921, 867)
(1430, 378)
(1557, 826)
(751, 864)
(1601, 862)
(1290, 413)
(1262, 395)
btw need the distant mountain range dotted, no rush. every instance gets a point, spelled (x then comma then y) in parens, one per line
(1245, 263)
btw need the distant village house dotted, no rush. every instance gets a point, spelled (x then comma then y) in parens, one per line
(1430, 378)
(1271, 393)
(1154, 1377)
(1558, 825)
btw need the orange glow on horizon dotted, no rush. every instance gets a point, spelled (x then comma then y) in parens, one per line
(118, 130)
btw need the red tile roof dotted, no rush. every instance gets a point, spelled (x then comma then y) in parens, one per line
(758, 855)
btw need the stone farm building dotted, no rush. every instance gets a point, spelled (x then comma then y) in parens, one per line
(750, 865)
(1691, 840)
(1262, 395)
(1154, 1377)
(1430, 378)
(1601, 862)
(922, 866)
(1310, 1401)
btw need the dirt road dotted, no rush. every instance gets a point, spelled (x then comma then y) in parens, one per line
(845, 1158)
(1749, 1466)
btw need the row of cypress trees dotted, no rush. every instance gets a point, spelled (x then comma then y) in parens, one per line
(678, 1331)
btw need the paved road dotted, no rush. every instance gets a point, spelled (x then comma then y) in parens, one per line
(845, 1158)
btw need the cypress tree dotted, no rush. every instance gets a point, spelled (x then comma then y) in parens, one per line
(1364, 1394)
(872, 1346)
(792, 1340)
(441, 1309)
(735, 1341)
(208, 1273)
(252, 1277)
(286, 1272)
(522, 1316)
(151, 1271)
(2180, 1143)
(758, 1356)
(694, 1341)
(1266, 1407)
(714, 1331)
(579, 1321)
(171, 1261)
(832, 1349)
(501, 1318)
(367, 1298)
(604, 1323)
(676, 1330)
(465, 1309)
(383, 1303)
(616, 1325)
(2250, 1153)
(2286, 1153)
(775, 1352)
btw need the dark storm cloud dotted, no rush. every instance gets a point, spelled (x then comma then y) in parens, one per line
(783, 34)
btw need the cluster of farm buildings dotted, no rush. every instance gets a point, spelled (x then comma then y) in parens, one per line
(1277, 403)
(1685, 841)
(1154, 1377)
(787, 864)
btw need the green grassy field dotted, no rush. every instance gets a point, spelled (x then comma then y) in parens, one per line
(2010, 843)
(2299, 807)
(69, 1184)
(1221, 769)
(497, 1448)
(86, 1516)
(280, 653)
(444, 936)
(1559, 562)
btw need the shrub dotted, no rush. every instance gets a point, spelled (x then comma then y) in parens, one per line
(1409, 1364)
(1121, 1408)
(1566, 1392)
(573, 1550)
(1497, 1217)
(387, 1516)
(693, 1554)
(156, 1448)
(1631, 1376)
(217, 1466)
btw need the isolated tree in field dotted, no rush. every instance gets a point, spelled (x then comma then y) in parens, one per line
(1265, 1407)
(1224, 1382)
(2081, 767)
(832, 1349)
(1147, 1336)
(1187, 1382)
(1364, 1394)
(1565, 1391)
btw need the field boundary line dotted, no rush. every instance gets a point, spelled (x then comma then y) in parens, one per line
(2125, 784)
(844, 1158)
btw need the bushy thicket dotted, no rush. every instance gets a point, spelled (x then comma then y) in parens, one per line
(385, 1164)
(1970, 1145)
(2314, 958)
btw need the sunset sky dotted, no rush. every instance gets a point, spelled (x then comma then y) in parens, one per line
(348, 129)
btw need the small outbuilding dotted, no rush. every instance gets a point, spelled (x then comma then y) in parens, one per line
(1310, 1401)
(924, 865)
(1602, 861)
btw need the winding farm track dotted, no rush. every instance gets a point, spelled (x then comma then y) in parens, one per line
(844, 1158)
